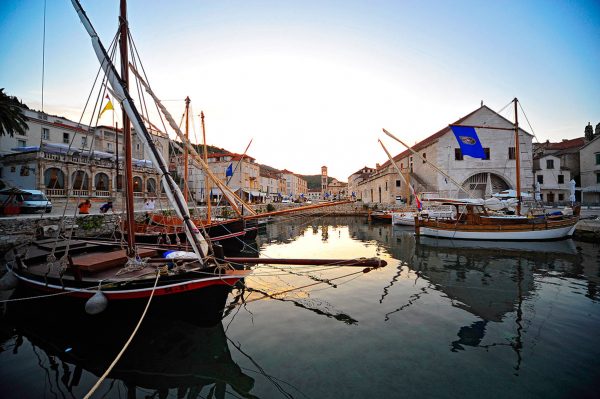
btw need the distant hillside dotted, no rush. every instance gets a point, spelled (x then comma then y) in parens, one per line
(314, 181)
(200, 148)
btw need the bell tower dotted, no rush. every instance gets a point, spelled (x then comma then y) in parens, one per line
(323, 181)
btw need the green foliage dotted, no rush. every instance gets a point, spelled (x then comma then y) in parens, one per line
(90, 222)
(314, 181)
(226, 212)
(270, 207)
(597, 131)
(12, 119)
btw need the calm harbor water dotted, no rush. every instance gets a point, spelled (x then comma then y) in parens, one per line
(444, 319)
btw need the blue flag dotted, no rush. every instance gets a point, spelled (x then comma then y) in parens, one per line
(468, 141)
(229, 171)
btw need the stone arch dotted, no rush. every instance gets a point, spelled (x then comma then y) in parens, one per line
(101, 182)
(151, 185)
(54, 178)
(138, 184)
(81, 180)
(483, 184)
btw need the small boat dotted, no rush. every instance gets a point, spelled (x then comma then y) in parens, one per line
(472, 219)
(474, 222)
(407, 218)
(381, 216)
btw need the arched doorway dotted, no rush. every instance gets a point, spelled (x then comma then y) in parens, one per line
(138, 185)
(151, 185)
(81, 180)
(54, 179)
(483, 185)
(101, 182)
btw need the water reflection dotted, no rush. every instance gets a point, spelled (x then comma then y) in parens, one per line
(169, 357)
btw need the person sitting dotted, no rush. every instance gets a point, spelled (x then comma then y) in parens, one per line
(84, 207)
(104, 208)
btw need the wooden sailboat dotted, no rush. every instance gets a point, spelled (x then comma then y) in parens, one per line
(103, 271)
(84, 269)
(473, 221)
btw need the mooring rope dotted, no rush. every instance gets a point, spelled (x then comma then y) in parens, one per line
(135, 330)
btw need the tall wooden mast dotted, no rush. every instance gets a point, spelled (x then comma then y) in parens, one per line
(123, 40)
(185, 149)
(517, 158)
(207, 188)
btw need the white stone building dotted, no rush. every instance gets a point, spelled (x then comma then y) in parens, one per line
(589, 157)
(553, 178)
(481, 177)
(66, 159)
(295, 186)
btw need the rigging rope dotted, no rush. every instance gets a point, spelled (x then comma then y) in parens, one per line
(135, 330)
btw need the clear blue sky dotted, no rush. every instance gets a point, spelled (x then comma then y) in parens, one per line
(313, 82)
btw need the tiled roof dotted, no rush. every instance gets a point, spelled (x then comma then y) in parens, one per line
(234, 156)
(434, 137)
(429, 140)
(565, 144)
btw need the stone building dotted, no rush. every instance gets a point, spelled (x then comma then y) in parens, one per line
(67, 159)
(590, 172)
(553, 179)
(244, 176)
(296, 187)
(481, 177)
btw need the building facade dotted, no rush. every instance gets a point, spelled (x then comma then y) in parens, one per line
(590, 172)
(480, 177)
(66, 159)
(553, 179)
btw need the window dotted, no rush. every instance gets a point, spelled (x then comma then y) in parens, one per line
(549, 163)
(45, 133)
(598, 178)
(397, 183)
(486, 151)
(84, 141)
(598, 158)
(540, 179)
(561, 197)
(109, 147)
(21, 143)
(66, 138)
(385, 186)
(458, 156)
(512, 153)
(424, 157)
(561, 179)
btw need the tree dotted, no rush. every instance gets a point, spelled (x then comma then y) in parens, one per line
(597, 132)
(12, 119)
(589, 132)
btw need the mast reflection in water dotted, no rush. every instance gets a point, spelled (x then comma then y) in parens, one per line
(444, 319)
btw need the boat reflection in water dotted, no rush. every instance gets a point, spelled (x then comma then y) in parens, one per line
(168, 357)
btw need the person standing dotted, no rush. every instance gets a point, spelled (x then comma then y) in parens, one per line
(84, 207)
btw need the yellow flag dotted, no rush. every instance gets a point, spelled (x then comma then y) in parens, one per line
(107, 106)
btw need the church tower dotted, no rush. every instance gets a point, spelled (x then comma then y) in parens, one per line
(323, 181)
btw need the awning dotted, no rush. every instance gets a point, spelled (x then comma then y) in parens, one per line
(591, 189)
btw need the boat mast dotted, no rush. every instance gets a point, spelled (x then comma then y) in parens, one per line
(517, 158)
(123, 38)
(174, 194)
(207, 185)
(185, 150)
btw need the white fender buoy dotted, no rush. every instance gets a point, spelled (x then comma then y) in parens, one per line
(9, 281)
(97, 303)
